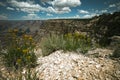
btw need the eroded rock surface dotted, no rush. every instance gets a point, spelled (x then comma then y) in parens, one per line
(72, 66)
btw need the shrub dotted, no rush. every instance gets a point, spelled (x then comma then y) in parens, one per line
(52, 43)
(78, 42)
(19, 50)
(116, 53)
(67, 42)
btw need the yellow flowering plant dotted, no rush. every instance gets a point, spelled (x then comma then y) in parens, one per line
(19, 49)
(25, 51)
(18, 61)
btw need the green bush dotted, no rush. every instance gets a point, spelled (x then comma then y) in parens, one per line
(67, 42)
(52, 43)
(19, 51)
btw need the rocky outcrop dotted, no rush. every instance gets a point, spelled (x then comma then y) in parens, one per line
(99, 53)
(105, 26)
(72, 66)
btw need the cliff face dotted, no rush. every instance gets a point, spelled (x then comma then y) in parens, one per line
(33, 25)
(66, 26)
(100, 28)
(106, 26)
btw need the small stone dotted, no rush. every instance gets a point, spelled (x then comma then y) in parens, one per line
(2, 69)
(98, 66)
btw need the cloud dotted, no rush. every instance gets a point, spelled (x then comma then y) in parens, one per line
(33, 8)
(61, 6)
(17, 9)
(89, 15)
(25, 6)
(55, 6)
(76, 16)
(70, 17)
(31, 17)
(101, 11)
(104, 11)
(112, 5)
(49, 14)
(9, 8)
(2, 4)
(66, 3)
(58, 10)
(3, 17)
(115, 5)
(83, 11)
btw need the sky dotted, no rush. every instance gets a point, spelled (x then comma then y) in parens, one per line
(55, 9)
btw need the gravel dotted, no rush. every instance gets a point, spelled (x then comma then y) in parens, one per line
(73, 66)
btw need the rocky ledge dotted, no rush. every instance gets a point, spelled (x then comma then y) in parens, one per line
(62, 65)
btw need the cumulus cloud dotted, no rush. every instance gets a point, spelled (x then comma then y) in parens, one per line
(76, 16)
(55, 6)
(55, 10)
(66, 3)
(83, 11)
(104, 11)
(3, 17)
(115, 5)
(58, 10)
(17, 9)
(112, 5)
(70, 17)
(25, 6)
(49, 14)
(9, 8)
(89, 15)
(32, 8)
(61, 6)
(31, 17)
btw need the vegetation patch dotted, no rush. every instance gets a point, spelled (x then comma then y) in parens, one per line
(69, 42)
(19, 50)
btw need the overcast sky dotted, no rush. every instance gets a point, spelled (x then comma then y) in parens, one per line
(55, 9)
